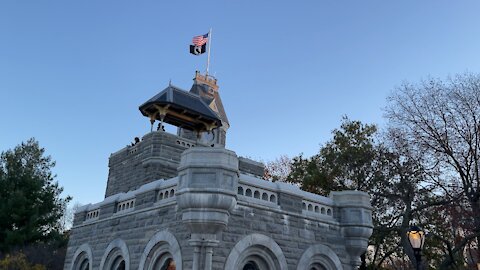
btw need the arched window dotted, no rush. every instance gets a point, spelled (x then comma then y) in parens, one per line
(169, 264)
(256, 194)
(319, 257)
(162, 252)
(256, 252)
(118, 264)
(316, 266)
(240, 191)
(81, 262)
(265, 196)
(251, 266)
(82, 258)
(84, 265)
(116, 256)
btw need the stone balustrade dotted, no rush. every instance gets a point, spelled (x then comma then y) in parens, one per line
(126, 206)
(154, 194)
(266, 193)
(92, 215)
(250, 189)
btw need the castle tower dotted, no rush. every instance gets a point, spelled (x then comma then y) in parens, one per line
(205, 86)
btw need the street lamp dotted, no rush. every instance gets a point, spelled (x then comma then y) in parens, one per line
(416, 238)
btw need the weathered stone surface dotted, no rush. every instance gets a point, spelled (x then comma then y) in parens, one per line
(211, 215)
(156, 156)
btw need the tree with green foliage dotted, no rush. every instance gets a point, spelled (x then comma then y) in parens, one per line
(31, 205)
(346, 162)
(385, 167)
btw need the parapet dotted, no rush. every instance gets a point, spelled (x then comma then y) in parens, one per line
(156, 156)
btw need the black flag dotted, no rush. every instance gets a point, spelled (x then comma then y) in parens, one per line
(197, 50)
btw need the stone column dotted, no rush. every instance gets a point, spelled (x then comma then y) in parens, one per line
(209, 256)
(196, 255)
(208, 181)
(354, 212)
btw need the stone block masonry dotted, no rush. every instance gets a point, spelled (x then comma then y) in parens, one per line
(209, 213)
(156, 156)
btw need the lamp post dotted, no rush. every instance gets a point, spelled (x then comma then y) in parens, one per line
(416, 238)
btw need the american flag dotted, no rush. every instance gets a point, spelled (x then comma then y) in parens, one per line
(200, 40)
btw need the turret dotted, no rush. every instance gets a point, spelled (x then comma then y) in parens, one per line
(355, 216)
(206, 194)
(205, 86)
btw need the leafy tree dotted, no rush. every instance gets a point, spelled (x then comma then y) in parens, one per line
(442, 120)
(30, 198)
(18, 261)
(384, 166)
(346, 162)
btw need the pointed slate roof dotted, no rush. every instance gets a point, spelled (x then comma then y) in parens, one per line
(202, 90)
(180, 108)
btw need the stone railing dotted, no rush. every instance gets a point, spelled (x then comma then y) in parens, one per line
(154, 194)
(166, 194)
(92, 215)
(266, 193)
(250, 190)
(316, 208)
(125, 206)
(257, 194)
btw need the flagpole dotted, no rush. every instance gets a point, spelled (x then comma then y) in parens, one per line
(209, 45)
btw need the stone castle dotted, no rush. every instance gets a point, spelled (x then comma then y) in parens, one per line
(183, 201)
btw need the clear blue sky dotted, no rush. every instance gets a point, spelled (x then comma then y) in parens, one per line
(73, 73)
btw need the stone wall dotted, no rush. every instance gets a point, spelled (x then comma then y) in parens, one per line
(156, 156)
(293, 233)
(214, 212)
(134, 229)
(272, 221)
